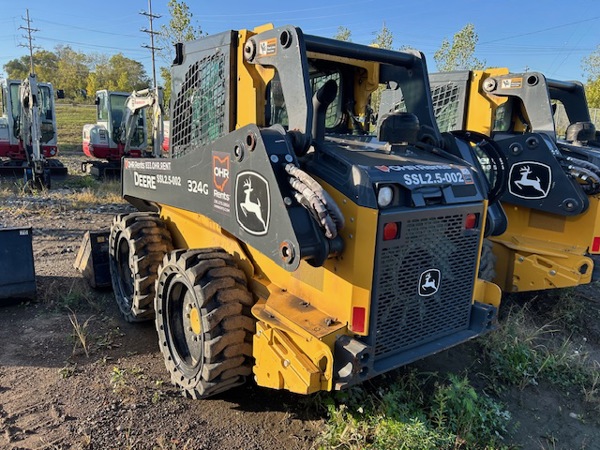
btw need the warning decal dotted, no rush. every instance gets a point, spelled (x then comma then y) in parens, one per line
(267, 47)
(511, 83)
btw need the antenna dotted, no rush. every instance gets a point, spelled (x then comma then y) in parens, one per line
(152, 33)
(30, 40)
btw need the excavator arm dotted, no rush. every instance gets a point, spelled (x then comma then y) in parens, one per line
(137, 101)
(30, 130)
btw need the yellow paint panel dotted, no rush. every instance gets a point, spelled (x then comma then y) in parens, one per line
(482, 106)
(541, 251)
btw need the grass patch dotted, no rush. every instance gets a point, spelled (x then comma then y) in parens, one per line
(90, 197)
(417, 410)
(522, 353)
(70, 119)
(82, 192)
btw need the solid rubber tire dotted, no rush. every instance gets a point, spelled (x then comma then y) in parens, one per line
(137, 244)
(219, 356)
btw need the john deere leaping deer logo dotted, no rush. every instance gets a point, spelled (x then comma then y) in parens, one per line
(253, 203)
(530, 180)
(429, 282)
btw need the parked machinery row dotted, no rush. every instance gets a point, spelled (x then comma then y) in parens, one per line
(312, 227)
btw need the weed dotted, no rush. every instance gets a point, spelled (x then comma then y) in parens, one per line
(522, 353)
(173, 444)
(418, 410)
(157, 396)
(107, 341)
(80, 332)
(81, 182)
(118, 378)
(68, 371)
(591, 391)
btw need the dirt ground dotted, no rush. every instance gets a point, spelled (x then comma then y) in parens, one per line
(54, 396)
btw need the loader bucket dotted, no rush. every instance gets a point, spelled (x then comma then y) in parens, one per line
(92, 259)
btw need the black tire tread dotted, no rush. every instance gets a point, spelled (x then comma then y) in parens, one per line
(149, 240)
(221, 291)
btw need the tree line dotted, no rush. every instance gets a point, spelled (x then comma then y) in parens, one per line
(80, 75)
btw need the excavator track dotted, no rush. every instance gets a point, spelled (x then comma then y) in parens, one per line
(11, 168)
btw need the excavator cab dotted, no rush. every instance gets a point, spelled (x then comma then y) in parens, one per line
(14, 127)
(551, 198)
(289, 233)
(104, 141)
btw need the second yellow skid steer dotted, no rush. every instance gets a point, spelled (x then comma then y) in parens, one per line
(551, 200)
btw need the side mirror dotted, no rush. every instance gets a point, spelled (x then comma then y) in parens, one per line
(97, 101)
(60, 93)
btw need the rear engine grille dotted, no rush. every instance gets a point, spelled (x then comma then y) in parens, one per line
(404, 319)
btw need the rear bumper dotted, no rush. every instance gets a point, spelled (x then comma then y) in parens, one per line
(354, 362)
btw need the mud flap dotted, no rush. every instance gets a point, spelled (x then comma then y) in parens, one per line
(92, 259)
(17, 271)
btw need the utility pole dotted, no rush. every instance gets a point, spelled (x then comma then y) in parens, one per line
(152, 33)
(30, 40)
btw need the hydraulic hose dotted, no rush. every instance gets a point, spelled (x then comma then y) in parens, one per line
(310, 194)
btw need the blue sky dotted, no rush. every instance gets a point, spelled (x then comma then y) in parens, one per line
(549, 36)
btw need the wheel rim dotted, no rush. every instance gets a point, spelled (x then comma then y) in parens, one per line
(125, 275)
(184, 326)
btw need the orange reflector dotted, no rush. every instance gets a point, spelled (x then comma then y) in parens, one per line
(596, 244)
(358, 319)
(390, 231)
(470, 221)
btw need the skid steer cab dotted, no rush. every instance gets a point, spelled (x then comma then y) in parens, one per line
(553, 185)
(281, 237)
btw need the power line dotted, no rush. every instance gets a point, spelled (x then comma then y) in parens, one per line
(85, 28)
(541, 31)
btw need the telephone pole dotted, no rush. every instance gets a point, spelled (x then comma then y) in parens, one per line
(152, 33)
(30, 40)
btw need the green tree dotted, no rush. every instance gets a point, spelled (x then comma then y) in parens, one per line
(343, 34)
(45, 65)
(384, 38)
(117, 73)
(459, 55)
(591, 67)
(72, 71)
(165, 74)
(180, 28)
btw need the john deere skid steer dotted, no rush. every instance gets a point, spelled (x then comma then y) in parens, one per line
(552, 196)
(281, 238)
(579, 130)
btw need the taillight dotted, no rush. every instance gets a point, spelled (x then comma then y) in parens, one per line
(596, 244)
(390, 231)
(358, 319)
(471, 221)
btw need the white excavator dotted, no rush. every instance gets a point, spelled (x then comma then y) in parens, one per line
(121, 129)
(28, 138)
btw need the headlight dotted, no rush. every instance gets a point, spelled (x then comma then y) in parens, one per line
(385, 196)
